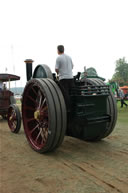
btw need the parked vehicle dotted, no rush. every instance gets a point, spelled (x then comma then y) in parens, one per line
(6, 96)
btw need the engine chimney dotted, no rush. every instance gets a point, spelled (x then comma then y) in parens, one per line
(29, 68)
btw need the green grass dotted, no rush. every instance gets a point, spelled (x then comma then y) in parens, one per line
(18, 101)
(122, 113)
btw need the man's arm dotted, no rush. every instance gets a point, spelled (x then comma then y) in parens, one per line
(57, 66)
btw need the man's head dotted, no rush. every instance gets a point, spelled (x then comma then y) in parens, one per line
(60, 49)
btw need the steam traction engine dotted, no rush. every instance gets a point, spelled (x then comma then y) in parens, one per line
(92, 115)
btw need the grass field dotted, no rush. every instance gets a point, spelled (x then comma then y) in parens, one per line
(18, 101)
(122, 113)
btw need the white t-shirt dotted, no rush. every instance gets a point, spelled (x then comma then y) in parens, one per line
(64, 65)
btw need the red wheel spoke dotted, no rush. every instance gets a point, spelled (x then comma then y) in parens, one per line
(29, 108)
(14, 118)
(45, 133)
(13, 113)
(43, 103)
(31, 98)
(38, 135)
(42, 133)
(45, 137)
(14, 125)
(31, 119)
(34, 91)
(14, 122)
(34, 128)
(40, 102)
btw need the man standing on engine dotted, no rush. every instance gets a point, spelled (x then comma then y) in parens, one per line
(63, 68)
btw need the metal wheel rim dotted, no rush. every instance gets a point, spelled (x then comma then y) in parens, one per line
(36, 116)
(56, 113)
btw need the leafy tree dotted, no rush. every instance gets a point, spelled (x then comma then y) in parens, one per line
(121, 72)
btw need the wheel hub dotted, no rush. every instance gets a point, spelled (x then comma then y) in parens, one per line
(37, 115)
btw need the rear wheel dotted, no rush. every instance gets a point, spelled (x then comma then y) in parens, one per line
(44, 114)
(14, 118)
(111, 109)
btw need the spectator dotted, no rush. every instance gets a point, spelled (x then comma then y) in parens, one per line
(121, 95)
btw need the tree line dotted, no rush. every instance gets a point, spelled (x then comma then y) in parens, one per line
(121, 72)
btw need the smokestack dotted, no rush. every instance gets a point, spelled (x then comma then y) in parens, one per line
(29, 68)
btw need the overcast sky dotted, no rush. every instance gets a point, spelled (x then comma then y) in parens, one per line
(94, 33)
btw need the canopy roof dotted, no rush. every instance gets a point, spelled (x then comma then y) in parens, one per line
(7, 77)
(124, 87)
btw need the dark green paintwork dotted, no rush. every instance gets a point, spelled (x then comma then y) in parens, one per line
(88, 117)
